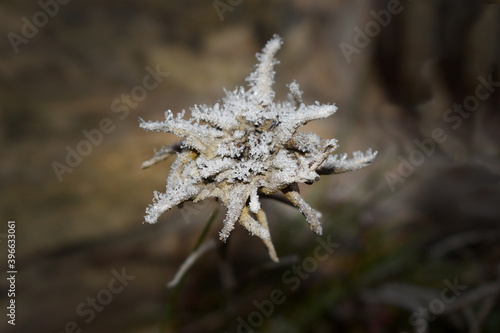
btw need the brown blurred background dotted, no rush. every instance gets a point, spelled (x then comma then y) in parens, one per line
(409, 224)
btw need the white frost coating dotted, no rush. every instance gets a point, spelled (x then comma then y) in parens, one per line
(247, 146)
(254, 204)
(231, 149)
(253, 226)
(209, 168)
(340, 163)
(261, 81)
(295, 92)
(235, 199)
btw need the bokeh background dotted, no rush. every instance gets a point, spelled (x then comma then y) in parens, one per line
(407, 226)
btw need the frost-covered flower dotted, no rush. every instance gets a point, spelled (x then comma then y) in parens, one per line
(247, 146)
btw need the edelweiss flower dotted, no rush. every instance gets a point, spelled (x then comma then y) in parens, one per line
(245, 147)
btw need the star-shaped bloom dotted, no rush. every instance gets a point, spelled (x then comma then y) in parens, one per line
(245, 147)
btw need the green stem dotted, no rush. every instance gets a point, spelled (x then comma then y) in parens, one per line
(172, 299)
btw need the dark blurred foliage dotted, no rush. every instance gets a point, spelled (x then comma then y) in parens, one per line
(407, 227)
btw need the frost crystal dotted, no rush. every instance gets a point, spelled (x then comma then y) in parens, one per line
(245, 147)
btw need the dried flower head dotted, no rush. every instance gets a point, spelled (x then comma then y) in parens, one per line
(245, 147)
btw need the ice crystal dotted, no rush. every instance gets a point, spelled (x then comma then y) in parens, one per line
(245, 147)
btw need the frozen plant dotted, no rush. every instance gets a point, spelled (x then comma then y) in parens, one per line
(245, 147)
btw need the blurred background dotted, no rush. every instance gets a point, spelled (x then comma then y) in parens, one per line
(417, 232)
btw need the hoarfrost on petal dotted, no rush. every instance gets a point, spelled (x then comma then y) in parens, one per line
(247, 145)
